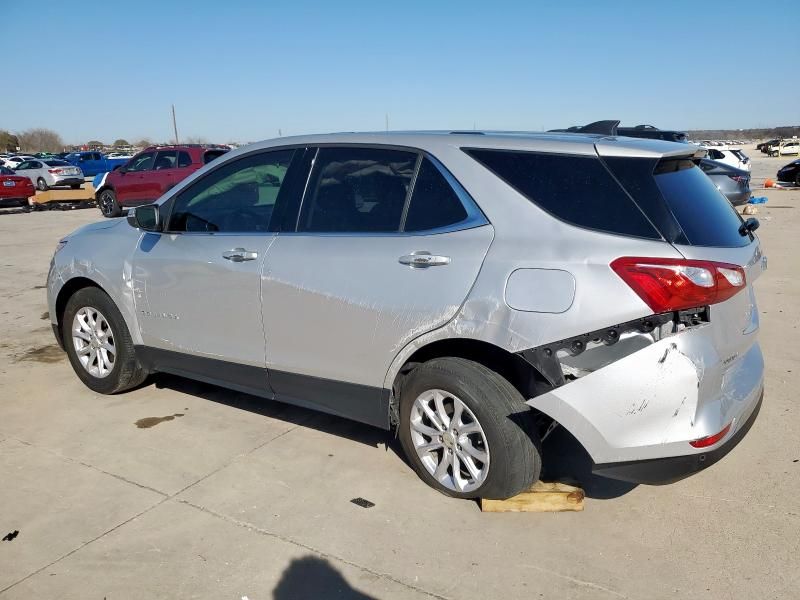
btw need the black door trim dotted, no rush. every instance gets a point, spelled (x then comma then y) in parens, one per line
(362, 403)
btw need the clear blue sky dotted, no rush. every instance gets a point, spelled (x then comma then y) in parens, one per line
(243, 70)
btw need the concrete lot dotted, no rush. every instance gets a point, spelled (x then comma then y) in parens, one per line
(237, 497)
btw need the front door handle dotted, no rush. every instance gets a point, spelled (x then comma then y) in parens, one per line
(423, 259)
(239, 255)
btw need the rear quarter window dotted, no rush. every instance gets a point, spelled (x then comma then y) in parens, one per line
(704, 214)
(434, 203)
(575, 189)
(211, 155)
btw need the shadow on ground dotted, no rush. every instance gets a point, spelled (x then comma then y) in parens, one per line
(310, 578)
(565, 459)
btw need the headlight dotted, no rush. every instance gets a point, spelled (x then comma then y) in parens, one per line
(60, 245)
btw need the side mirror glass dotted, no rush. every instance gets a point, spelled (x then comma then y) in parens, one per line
(146, 218)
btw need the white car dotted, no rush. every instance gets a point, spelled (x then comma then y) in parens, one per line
(50, 172)
(12, 162)
(785, 148)
(119, 155)
(733, 157)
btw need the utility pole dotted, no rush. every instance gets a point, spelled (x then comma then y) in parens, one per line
(174, 124)
(387, 122)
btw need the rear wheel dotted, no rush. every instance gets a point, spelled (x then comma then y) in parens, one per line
(466, 430)
(797, 179)
(98, 343)
(41, 184)
(107, 202)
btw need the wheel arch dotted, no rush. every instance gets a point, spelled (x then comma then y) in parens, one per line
(68, 290)
(103, 188)
(521, 374)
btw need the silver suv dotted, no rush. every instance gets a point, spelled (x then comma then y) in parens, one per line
(471, 289)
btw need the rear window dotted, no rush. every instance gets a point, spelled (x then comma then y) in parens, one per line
(212, 154)
(704, 214)
(575, 189)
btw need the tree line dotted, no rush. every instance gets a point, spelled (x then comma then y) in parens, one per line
(46, 140)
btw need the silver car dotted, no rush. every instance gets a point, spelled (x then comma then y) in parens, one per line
(50, 172)
(472, 290)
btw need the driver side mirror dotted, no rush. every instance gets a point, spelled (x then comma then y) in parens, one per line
(146, 218)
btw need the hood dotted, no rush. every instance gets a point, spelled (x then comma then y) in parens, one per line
(97, 226)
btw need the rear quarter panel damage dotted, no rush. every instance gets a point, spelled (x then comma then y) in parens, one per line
(650, 403)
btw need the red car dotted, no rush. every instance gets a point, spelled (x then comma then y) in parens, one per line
(14, 189)
(151, 173)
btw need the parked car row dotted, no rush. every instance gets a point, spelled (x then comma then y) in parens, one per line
(149, 174)
(780, 147)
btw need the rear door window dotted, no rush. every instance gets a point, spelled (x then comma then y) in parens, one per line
(356, 190)
(434, 203)
(184, 160)
(575, 189)
(165, 159)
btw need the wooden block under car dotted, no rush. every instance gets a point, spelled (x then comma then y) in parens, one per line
(84, 194)
(541, 497)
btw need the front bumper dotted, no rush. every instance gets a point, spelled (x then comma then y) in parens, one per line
(658, 471)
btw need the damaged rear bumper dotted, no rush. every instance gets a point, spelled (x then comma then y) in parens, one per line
(658, 471)
(639, 402)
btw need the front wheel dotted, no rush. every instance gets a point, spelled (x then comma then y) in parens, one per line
(41, 184)
(466, 430)
(98, 343)
(107, 202)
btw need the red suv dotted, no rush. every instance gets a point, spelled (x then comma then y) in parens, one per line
(151, 173)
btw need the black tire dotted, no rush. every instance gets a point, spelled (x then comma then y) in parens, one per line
(75, 186)
(107, 203)
(511, 436)
(41, 185)
(797, 179)
(126, 372)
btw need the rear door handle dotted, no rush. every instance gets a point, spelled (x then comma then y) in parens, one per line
(423, 259)
(239, 255)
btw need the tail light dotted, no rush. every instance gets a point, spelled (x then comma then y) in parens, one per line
(54, 171)
(739, 178)
(667, 284)
(710, 440)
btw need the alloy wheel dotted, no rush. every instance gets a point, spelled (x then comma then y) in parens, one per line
(93, 341)
(449, 440)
